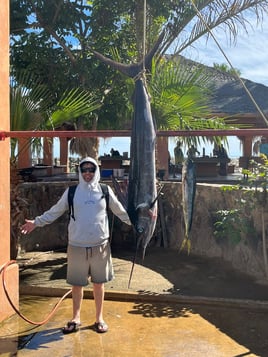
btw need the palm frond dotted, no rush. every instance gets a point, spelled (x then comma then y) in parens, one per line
(178, 91)
(185, 26)
(73, 104)
(180, 94)
(29, 101)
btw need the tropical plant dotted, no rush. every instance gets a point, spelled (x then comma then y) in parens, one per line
(186, 22)
(189, 20)
(229, 225)
(28, 103)
(54, 39)
(223, 67)
(180, 98)
(258, 179)
(235, 223)
(33, 107)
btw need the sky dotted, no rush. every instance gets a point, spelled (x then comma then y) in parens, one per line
(248, 54)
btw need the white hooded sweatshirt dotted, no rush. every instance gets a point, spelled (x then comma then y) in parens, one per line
(91, 226)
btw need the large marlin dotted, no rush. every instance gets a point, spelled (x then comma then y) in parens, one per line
(142, 192)
(188, 196)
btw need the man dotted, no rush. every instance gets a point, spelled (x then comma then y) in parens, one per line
(88, 239)
(192, 151)
(221, 153)
(178, 153)
(179, 157)
(264, 146)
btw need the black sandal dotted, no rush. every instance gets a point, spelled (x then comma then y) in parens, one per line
(101, 327)
(71, 327)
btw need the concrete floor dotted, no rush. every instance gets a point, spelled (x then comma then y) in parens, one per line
(164, 329)
(193, 307)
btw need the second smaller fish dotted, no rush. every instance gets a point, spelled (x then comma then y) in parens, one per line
(188, 196)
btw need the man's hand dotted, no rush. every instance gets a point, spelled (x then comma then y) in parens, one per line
(28, 226)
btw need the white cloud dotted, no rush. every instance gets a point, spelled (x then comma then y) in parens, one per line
(249, 54)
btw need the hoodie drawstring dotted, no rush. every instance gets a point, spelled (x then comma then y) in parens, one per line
(88, 248)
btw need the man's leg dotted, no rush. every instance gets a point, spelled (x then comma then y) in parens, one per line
(77, 296)
(74, 323)
(98, 291)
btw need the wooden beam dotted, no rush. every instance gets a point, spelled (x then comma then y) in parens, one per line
(127, 133)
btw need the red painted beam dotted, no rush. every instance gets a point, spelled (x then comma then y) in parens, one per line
(214, 132)
(127, 133)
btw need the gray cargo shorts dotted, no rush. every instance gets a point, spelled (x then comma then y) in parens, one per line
(94, 262)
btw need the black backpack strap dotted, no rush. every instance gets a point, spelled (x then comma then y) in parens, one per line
(71, 192)
(105, 192)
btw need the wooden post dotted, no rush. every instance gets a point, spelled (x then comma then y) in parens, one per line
(48, 154)
(24, 153)
(64, 153)
(162, 155)
(11, 275)
(247, 146)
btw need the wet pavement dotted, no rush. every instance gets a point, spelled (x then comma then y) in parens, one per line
(174, 307)
(135, 329)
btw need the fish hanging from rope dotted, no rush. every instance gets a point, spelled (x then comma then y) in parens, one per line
(142, 191)
(188, 184)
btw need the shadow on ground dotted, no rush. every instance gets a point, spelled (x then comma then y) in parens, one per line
(192, 275)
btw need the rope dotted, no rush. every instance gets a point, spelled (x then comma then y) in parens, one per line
(230, 64)
(144, 37)
(141, 75)
(39, 323)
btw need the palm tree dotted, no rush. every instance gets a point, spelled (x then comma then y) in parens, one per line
(177, 104)
(27, 106)
(177, 24)
(180, 98)
(78, 107)
(190, 20)
(225, 68)
(34, 109)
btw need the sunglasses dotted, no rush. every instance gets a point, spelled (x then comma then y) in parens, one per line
(88, 169)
